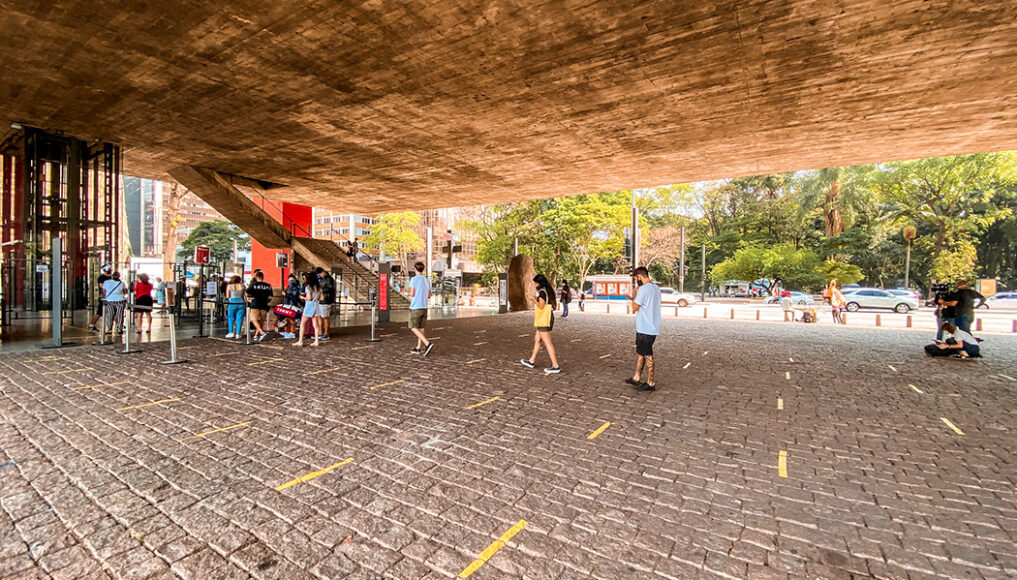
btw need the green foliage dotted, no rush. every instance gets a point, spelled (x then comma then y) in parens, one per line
(219, 236)
(801, 269)
(394, 234)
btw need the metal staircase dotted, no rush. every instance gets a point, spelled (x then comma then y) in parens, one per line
(355, 276)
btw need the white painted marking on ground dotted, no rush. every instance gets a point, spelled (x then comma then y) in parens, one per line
(1009, 378)
(787, 375)
(687, 365)
(916, 389)
(892, 368)
(606, 355)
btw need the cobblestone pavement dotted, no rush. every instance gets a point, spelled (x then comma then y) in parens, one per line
(359, 460)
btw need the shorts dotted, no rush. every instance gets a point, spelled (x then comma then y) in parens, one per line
(644, 344)
(324, 310)
(418, 318)
(144, 301)
(259, 316)
(310, 309)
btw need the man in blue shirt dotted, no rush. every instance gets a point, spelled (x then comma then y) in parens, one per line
(646, 305)
(420, 290)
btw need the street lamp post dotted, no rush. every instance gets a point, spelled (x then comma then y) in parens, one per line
(909, 233)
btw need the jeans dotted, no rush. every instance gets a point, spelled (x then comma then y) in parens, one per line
(939, 326)
(564, 309)
(234, 317)
(963, 321)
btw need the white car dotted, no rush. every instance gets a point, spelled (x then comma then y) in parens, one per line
(671, 296)
(876, 298)
(1002, 301)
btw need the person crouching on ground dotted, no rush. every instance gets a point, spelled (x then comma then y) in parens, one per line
(646, 305)
(960, 345)
(543, 320)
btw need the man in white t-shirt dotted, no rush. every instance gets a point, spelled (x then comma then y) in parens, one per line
(420, 290)
(646, 305)
(960, 345)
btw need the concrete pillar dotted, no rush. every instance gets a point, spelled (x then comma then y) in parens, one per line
(908, 323)
(879, 320)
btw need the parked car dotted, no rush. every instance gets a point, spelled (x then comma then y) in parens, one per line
(1002, 301)
(799, 298)
(671, 296)
(876, 298)
(911, 293)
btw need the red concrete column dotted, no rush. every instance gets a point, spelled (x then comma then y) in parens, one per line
(297, 219)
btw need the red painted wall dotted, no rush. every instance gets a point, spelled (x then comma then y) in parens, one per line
(297, 219)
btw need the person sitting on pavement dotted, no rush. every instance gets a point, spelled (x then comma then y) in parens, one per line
(787, 305)
(960, 345)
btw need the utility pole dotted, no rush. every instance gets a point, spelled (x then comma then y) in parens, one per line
(430, 248)
(681, 264)
(702, 281)
(635, 232)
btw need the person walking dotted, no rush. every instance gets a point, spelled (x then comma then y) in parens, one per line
(543, 320)
(101, 302)
(259, 295)
(160, 293)
(235, 306)
(964, 310)
(582, 298)
(420, 292)
(312, 299)
(646, 305)
(327, 300)
(116, 301)
(142, 302)
(566, 297)
(836, 299)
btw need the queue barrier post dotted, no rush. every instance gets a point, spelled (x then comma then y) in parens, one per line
(129, 308)
(374, 311)
(173, 344)
(102, 328)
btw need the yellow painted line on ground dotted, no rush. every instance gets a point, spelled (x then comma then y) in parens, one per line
(264, 362)
(270, 346)
(606, 355)
(230, 428)
(362, 347)
(479, 331)
(892, 368)
(576, 340)
(599, 430)
(43, 359)
(314, 474)
(780, 404)
(916, 389)
(434, 338)
(522, 335)
(82, 369)
(122, 409)
(790, 359)
(98, 386)
(782, 464)
(787, 375)
(952, 426)
(482, 403)
(1009, 378)
(222, 354)
(326, 370)
(389, 334)
(479, 343)
(687, 365)
(387, 384)
(229, 340)
(476, 360)
(491, 550)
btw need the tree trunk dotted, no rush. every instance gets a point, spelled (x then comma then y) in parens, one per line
(169, 241)
(834, 225)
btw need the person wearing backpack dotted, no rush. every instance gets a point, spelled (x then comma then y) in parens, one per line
(543, 321)
(327, 300)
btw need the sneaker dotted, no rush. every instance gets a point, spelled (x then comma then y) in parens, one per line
(645, 387)
(428, 348)
(93, 328)
(288, 335)
(261, 336)
(552, 370)
(526, 363)
(230, 335)
(323, 337)
(415, 351)
(631, 381)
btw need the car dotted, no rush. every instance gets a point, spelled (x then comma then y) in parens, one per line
(799, 298)
(911, 293)
(671, 296)
(1002, 300)
(876, 298)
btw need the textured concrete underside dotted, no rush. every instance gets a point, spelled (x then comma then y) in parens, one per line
(387, 104)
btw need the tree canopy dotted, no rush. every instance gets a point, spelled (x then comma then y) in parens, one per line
(219, 236)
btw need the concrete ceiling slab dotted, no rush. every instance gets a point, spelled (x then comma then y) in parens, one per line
(408, 104)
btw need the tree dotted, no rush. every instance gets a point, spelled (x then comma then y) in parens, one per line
(951, 194)
(219, 236)
(169, 243)
(783, 264)
(394, 234)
